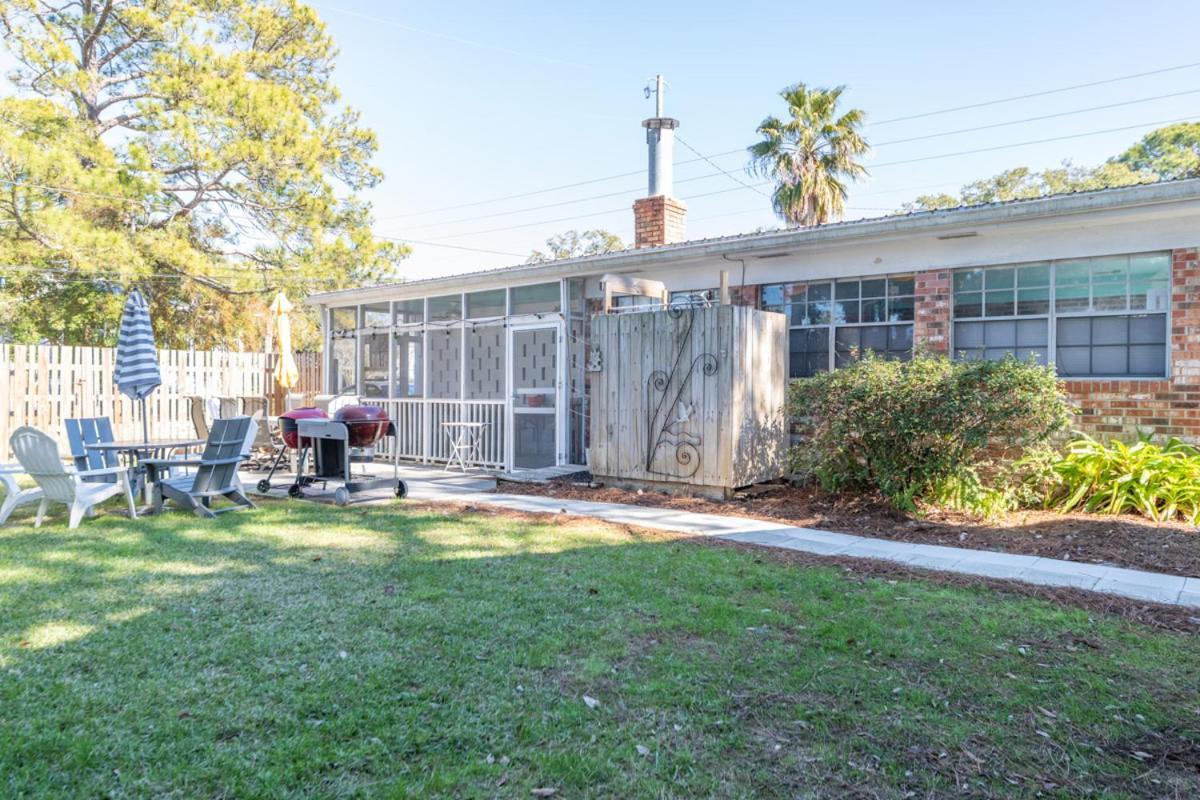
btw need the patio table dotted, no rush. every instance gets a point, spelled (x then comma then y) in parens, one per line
(14, 495)
(465, 438)
(136, 451)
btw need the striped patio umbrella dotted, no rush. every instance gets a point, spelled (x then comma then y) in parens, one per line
(137, 359)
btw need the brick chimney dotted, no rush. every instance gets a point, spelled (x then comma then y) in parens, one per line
(659, 218)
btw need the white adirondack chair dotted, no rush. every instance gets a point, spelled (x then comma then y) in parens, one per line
(14, 495)
(38, 454)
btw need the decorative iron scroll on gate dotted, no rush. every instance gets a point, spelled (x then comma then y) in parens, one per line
(667, 420)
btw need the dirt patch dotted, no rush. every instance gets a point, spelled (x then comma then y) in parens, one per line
(1125, 541)
(1154, 615)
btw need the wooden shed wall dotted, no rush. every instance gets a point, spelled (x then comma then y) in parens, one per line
(692, 397)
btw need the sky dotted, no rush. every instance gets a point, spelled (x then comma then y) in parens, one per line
(475, 102)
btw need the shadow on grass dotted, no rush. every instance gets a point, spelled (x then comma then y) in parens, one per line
(307, 650)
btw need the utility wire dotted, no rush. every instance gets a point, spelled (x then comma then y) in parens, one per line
(873, 166)
(921, 115)
(1044, 93)
(724, 172)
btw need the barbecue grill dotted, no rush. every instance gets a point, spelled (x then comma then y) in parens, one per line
(288, 423)
(339, 443)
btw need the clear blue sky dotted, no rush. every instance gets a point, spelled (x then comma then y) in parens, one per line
(476, 100)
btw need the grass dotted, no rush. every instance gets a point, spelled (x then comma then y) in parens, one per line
(308, 651)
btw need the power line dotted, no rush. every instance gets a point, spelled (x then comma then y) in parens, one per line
(451, 246)
(874, 166)
(724, 172)
(1044, 93)
(1036, 119)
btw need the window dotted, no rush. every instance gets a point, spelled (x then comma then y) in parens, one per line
(343, 325)
(1101, 317)
(1012, 306)
(536, 299)
(693, 298)
(835, 322)
(628, 301)
(409, 312)
(481, 305)
(446, 308)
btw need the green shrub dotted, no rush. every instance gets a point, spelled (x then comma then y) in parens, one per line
(904, 428)
(965, 492)
(1161, 482)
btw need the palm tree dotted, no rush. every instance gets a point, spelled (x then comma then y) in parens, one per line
(810, 156)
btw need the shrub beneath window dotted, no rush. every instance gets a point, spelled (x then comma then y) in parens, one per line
(1161, 482)
(905, 428)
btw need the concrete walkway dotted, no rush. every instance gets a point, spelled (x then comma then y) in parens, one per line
(1134, 584)
(425, 483)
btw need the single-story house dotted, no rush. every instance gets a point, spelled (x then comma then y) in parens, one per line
(1102, 284)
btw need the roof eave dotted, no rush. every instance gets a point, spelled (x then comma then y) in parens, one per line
(883, 227)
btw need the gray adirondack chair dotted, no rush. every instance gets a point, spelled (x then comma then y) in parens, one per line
(38, 455)
(92, 430)
(216, 472)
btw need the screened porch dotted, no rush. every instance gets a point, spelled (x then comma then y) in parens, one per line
(508, 358)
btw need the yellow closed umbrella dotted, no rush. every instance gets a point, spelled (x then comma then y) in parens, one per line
(287, 374)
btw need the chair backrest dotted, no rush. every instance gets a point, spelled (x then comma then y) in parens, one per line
(38, 455)
(90, 430)
(196, 408)
(229, 438)
(252, 404)
(228, 407)
(262, 433)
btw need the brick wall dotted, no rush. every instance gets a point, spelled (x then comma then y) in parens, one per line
(1110, 408)
(658, 220)
(932, 318)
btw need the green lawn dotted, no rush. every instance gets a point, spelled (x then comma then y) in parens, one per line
(308, 651)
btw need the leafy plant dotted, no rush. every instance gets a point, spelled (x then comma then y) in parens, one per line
(903, 428)
(1161, 482)
(965, 492)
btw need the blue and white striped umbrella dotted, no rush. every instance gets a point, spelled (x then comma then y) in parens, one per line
(137, 360)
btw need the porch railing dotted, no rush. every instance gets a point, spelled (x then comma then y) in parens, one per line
(420, 435)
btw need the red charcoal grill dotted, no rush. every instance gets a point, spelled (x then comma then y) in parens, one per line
(339, 443)
(288, 423)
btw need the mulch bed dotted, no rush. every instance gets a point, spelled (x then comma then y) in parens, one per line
(1124, 541)
(1154, 615)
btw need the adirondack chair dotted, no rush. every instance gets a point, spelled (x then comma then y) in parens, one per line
(38, 455)
(14, 495)
(216, 471)
(92, 430)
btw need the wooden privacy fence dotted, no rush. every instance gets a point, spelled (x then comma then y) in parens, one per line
(43, 385)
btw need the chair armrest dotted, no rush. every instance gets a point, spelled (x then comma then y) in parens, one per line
(102, 471)
(171, 462)
(213, 462)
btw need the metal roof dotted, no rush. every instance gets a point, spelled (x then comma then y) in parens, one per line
(1071, 203)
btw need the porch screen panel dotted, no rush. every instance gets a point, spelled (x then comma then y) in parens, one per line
(343, 323)
(445, 363)
(374, 365)
(409, 377)
(485, 362)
